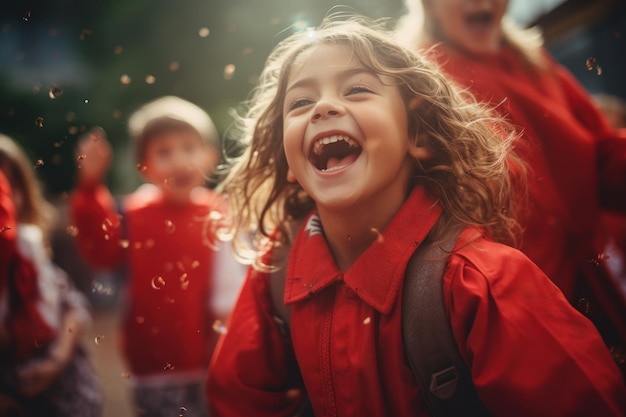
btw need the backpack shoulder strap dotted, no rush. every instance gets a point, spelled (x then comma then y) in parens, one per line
(439, 369)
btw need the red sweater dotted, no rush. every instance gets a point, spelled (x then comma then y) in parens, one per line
(530, 353)
(577, 164)
(167, 325)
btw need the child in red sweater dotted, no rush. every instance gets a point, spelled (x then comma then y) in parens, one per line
(165, 236)
(368, 146)
(577, 161)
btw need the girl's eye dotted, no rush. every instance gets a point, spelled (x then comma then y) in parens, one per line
(299, 103)
(356, 89)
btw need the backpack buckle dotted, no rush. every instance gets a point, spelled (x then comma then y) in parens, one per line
(443, 383)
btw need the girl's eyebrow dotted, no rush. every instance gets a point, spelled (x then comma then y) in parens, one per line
(342, 75)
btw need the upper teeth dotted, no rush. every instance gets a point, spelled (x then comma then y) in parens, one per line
(317, 147)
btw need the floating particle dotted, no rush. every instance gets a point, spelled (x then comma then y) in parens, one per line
(72, 231)
(38, 163)
(125, 79)
(39, 121)
(81, 157)
(203, 32)
(591, 63)
(158, 282)
(85, 33)
(174, 66)
(379, 236)
(140, 319)
(170, 227)
(229, 71)
(598, 70)
(86, 101)
(168, 367)
(124, 243)
(150, 79)
(583, 305)
(182, 412)
(118, 50)
(26, 16)
(141, 168)
(293, 393)
(98, 339)
(72, 130)
(367, 320)
(195, 264)
(55, 92)
(98, 287)
(219, 327)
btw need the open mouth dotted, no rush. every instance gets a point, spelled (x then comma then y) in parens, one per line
(480, 20)
(334, 152)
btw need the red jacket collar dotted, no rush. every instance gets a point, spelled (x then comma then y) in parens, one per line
(378, 273)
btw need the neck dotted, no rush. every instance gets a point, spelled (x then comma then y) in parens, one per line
(349, 232)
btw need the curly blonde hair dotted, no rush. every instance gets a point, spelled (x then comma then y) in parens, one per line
(469, 172)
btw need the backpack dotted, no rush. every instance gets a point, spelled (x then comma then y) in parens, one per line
(438, 368)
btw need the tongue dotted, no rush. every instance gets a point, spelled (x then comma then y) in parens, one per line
(334, 163)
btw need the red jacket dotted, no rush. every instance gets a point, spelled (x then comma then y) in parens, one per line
(577, 164)
(168, 261)
(530, 353)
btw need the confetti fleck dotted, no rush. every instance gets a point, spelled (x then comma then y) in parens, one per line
(229, 71)
(39, 121)
(72, 231)
(203, 32)
(367, 320)
(98, 339)
(169, 226)
(158, 282)
(174, 66)
(125, 79)
(26, 17)
(55, 92)
(219, 327)
(379, 236)
(150, 79)
(38, 163)
(168, 367)
(124, 243)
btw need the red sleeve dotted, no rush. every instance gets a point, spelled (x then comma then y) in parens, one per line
(530, 352)
(253, 371)
(99, 230)
(8, 221)
(611, 144)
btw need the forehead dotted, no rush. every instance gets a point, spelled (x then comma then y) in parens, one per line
(324, 58)
(172, 137)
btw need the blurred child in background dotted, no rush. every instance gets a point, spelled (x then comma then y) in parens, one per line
(164, 235)
(45, 365)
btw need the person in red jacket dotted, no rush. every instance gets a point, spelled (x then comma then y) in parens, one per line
(164, 234)
(576, 160)
(45, 365)
(368, 146)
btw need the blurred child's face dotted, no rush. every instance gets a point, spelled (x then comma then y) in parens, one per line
(474, 25)
(177, 161)
(345, 130)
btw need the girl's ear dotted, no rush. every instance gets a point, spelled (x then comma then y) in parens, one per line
(418, 150)
(290, 176)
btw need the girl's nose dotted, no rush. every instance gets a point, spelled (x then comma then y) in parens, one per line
(326, 109)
